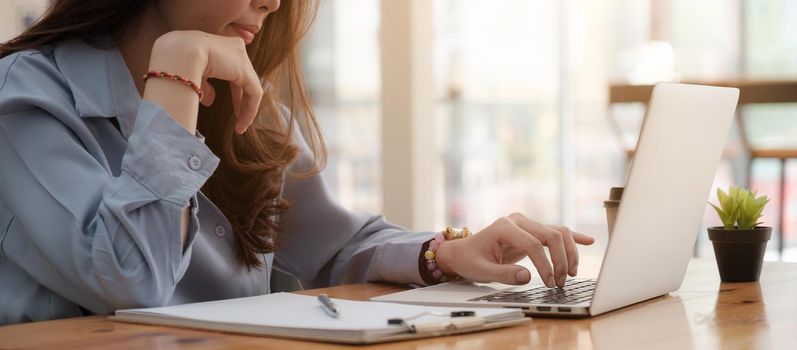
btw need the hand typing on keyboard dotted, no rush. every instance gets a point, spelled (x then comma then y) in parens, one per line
(574, 292)
(491, 254)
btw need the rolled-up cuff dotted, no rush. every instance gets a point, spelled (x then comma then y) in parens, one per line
(165, 158)
(398, 261)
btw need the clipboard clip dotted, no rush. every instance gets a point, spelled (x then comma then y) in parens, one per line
(457, 320)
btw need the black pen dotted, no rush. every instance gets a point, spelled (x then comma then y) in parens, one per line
(328, 306)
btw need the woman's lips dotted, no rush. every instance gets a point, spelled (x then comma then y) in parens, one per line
(245, 34)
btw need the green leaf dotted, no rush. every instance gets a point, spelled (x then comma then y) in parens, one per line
(724, 217)
(739, 207)
(734, 193)
(717, 209)
(724, 200)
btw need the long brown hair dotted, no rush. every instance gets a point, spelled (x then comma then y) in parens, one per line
(246, 186)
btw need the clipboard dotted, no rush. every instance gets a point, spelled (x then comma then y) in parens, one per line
(293, 316)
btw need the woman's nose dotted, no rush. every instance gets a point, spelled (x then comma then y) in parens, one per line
(267, 5)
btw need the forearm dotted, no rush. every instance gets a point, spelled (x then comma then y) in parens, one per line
(171, 54)
(180, 102)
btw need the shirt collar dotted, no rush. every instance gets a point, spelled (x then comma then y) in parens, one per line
(99, 79)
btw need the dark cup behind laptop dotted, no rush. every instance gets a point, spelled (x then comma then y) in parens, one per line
(611, 205)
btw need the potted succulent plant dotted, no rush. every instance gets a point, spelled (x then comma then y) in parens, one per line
(739, 244)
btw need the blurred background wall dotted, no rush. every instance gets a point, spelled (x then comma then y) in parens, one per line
(518, 117)
(521, 117)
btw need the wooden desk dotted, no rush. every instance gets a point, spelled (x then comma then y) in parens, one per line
(703, 314)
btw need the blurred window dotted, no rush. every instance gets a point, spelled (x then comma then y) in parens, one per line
(341, 58)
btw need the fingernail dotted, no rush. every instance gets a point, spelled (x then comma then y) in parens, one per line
(522, 276)
(575, 269)
(561, 281)
(551, 282)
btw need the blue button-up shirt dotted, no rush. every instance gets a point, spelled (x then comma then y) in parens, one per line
(93, 181)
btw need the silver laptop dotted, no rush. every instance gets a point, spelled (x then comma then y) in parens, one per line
(660, 214)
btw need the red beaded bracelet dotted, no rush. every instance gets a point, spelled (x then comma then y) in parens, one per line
(189, 83)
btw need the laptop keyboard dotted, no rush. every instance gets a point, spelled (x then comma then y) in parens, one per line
(574, 292)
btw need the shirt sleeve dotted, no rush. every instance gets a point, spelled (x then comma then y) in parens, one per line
(325, 244)
(102, 241)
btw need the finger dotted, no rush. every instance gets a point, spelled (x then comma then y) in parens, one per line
(237, 94)
(570, 249)
(533, 248)
(506, 274)
(583, 239)
(556, 248)
(252, 94)
(246, 101)
(550, 238)
(208, 92)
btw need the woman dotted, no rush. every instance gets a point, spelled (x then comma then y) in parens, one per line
(100, 201)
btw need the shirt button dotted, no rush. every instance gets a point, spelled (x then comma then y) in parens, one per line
(220, 231)
(194, 163)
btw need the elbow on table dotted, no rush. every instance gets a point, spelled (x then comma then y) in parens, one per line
(134, 298)
(151, 291)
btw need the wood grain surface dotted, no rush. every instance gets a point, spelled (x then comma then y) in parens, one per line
(703, 314)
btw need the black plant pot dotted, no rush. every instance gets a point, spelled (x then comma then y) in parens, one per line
(739, 253)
